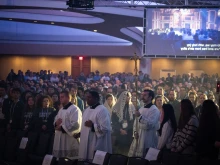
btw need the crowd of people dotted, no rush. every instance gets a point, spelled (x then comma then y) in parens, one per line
(170, 41)
(179, 113)
(184, 34)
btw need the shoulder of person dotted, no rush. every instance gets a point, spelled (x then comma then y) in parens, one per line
(73, 107)
(154, 107)
(169, 123)
(193, 120)
(78, 98)
(101, 107)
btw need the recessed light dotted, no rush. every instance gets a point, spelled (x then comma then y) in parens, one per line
(95, 30)
(35, 21)
(52, 23)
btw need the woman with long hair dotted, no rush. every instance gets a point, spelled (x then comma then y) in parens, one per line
(43, 117)
(184, 138)
(168, 127)
(28, 112)
(208, 131)
(159, 101)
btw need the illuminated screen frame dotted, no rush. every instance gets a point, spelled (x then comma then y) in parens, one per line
(206, 48)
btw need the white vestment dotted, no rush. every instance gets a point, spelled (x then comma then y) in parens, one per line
(100, 139)
(65, 145)
(148, 124)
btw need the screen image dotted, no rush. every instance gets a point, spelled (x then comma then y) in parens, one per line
(182, 31)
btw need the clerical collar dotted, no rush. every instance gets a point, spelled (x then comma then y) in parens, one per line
(67, 105)
(94, 106)
(148, 105)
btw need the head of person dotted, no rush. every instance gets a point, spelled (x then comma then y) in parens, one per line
(73, 90)
(50, 90)
(16, 93)
(81, 92)
(109, 98)
(65, 97)
(160, 90)
(187, 110)
(209, 109)
(172, 95)
(168, 115)
(202, 98)
(168, 86)
(182, 92)
(92, 98)
(128, 98)
(159, 101)
(123, 87)
(211, 96)
(209, 119)
(110, 90)
(147, 96)
(192, 97)
(47, 102)
(2, 90)
(27, 94)
(55, 97)
(31, 101)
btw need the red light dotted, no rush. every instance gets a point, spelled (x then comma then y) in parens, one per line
(218, 87)
(80, 58)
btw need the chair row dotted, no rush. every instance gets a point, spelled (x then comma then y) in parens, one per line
(38, 145)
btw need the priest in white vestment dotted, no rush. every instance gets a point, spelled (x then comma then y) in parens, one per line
(67, 124)
(96, 128)
(145, 132)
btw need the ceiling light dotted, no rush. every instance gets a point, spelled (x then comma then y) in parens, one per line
(52, 23)
(95, 30)
(10, 19)
(35, 21)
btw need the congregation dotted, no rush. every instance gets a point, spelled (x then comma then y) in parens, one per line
(178, 113)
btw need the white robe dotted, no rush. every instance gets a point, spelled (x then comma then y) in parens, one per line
(65, 145)
(148, 124)
(100, 139)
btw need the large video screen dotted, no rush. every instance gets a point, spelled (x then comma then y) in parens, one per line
(182, 31)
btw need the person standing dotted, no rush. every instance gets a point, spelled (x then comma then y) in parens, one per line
(3, 96)
(175, 103)
(28, 113)
(43, 117)
(184, 140)
(67, 124)
(76, 99)
(198, 109)
(168, 127)
(122, 123)
(147, 125)
(13, 115)
(109, 103)
(96, 128)
(208, 131)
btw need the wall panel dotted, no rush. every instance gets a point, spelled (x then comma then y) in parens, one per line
(184, 66)
(112, 64)
(55, 64)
